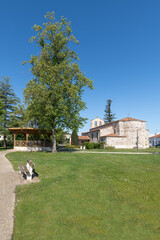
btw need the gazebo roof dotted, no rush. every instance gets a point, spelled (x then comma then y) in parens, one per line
(27, 130)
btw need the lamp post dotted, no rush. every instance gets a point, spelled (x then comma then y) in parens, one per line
(137, 141)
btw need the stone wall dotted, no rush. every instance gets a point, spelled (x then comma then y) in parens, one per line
(117, 142)
(106, 131)
(130, 128)
(33, 149)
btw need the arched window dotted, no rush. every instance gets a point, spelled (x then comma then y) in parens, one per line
(114, 131)
(95, 123)
(100, 123)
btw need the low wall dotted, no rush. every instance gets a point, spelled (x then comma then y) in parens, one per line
(33, 149)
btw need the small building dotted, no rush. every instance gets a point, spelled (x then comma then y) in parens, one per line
(28, 144)
(124, 133)
(82, 139)
(154, 141)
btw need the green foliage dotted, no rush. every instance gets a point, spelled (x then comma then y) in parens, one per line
(8, 107)
(54, 95)
(19, 117)
(97, 145)
(109, 147)
(74, 137)
(91, 145)
(108, 116)
(72, 146)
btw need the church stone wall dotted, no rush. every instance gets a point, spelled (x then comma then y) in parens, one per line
(130, 128)
(106, 131)
(117, 142)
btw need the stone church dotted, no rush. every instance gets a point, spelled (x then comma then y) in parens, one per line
(123, 133)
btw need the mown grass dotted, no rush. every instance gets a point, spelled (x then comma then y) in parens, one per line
(148, 150)
(89, 197)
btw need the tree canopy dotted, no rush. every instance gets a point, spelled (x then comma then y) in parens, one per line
(9, 102)
(108, 116)
(54, 95)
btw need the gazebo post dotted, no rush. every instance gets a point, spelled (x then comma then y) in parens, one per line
(14, 139)
(27, 135)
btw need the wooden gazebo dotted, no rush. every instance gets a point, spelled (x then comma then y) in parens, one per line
(31, 145)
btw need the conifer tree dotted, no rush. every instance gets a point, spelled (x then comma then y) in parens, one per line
(74, 138)
(9, 102)
(54, 95)
(108, 116)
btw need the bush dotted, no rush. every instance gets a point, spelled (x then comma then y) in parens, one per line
(72, 146)
(85, 144)
(97, 145)
(9, 143)
(90, 145)
(1, 143)
(102, 144)
(109, 147)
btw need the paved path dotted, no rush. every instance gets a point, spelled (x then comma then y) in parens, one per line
(8, 180)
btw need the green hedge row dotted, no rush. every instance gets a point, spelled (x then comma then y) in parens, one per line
(91, 145)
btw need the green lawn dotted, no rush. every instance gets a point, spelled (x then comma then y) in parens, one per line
(89, 197)
(149, 150)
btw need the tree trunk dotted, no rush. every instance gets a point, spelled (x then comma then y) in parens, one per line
(5, 141)
(54, 150)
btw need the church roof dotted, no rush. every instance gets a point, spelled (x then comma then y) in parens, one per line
(130, 119)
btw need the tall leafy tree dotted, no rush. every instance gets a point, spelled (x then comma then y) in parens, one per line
(54, 95)
(9, 102)
(108, 116)
(19, 118)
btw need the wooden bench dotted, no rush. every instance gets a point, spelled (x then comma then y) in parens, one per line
(27, 170)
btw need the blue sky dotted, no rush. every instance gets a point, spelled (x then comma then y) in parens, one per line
(119, 50)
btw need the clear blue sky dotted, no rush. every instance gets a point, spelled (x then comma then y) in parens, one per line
(119, 49)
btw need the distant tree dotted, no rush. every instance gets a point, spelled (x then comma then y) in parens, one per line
(1, 110)
(19, 118)
(54, 95)
(108, 116)
(74, 138)
(9, 102)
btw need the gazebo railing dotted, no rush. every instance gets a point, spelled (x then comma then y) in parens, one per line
(38, 143)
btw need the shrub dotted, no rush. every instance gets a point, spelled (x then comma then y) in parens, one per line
(97, 145)
(9, 143)
(1, 143)
(102, 144)
(90, 145)
(109, 147)
(72, 146)
(85, 144)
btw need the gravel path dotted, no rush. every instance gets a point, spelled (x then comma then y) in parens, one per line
(8, 180)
